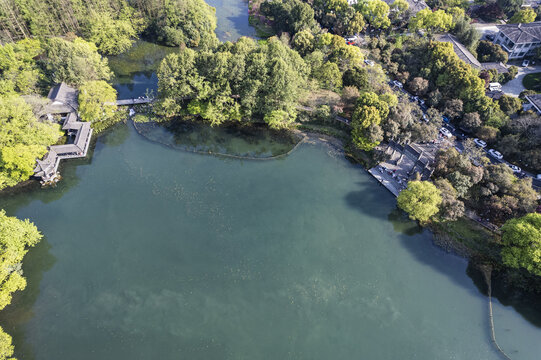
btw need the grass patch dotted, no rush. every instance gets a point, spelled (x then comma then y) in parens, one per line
(532, 81)
(476, 238)
(325, 130)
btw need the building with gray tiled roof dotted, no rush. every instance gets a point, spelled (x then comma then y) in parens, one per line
(64, 101)
(535, 101)
(465, 55)
(519, 40)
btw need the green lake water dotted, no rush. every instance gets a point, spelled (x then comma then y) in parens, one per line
(153, 252)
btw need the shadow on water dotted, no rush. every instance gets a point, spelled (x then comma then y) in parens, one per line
(527, 304)
(247, 142)
(36, 262)
(357, 200)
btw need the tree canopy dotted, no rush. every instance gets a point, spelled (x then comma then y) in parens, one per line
(421, 200)
(22, 139)
(522, 243)
(74, 62)
(96, 101)
(233, 81)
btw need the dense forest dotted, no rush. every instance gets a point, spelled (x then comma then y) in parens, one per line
(110, 24)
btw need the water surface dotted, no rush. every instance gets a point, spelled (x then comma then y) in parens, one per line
(151, 252)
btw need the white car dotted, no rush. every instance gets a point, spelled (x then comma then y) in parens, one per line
(515, 168)
(397, 83)
(481, 143)
(495, 154)
(445, 132)
(351, 38)
(370, 63)
(525, 63)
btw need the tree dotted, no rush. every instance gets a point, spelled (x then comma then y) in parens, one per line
(487, 51)
(510, 104)
(74, 62)
(368, 114)
(523, 16)
(418, 85)
(97, 101)
(356, 76)
(6, 346)
(303, 42)
(431, 21)
(329, 76)
(453, 108)
(421, 200)
(375, 12)
(18, 66)
(22, 140)
(510, 6)
(522, 243)
(278, 119)
(177, 22)
(289, 16)
(114, 36)
(451, 209)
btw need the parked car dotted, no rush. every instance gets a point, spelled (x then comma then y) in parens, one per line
(490, 37)
(425, 118)
(351, 38)
(445, 132)
(525, 63)
(515, 168)
(397, 83)
(481, 143)
(495, 154)
(369, 62)
(446, 119)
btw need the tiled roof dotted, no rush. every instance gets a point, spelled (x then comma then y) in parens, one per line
(522, 33)
(463, 53)
(499, 66)
(64, 94)
(535, 100)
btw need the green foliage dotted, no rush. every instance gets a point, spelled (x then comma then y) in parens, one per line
(421, 200)
(177, 22)
(22, 140)
(523, 16)
(329, 76)
(96, 101)
(289, 16)
(233, 81)
(338, 16)
(532, 81)
(522, 243)
(15, 238)
(510, 104)
(487, 51)
(47, 18)
(74, 62)
(114, 35)
(6, 347)
(368, 114)
(375, 12)
(431, 21)
(18, 66)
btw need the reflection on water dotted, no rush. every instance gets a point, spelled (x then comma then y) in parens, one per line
(234, 140)
(135, 70)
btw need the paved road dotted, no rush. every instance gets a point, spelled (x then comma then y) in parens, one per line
(515, 87)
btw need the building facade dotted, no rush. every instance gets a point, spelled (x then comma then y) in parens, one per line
(519, 40)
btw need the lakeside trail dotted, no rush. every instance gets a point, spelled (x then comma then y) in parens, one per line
(487, 272)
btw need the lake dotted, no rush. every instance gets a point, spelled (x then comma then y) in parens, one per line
(152, 251)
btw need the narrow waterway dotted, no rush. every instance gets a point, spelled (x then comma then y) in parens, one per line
(151, 251)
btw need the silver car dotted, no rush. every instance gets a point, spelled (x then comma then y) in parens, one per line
(495, 154)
